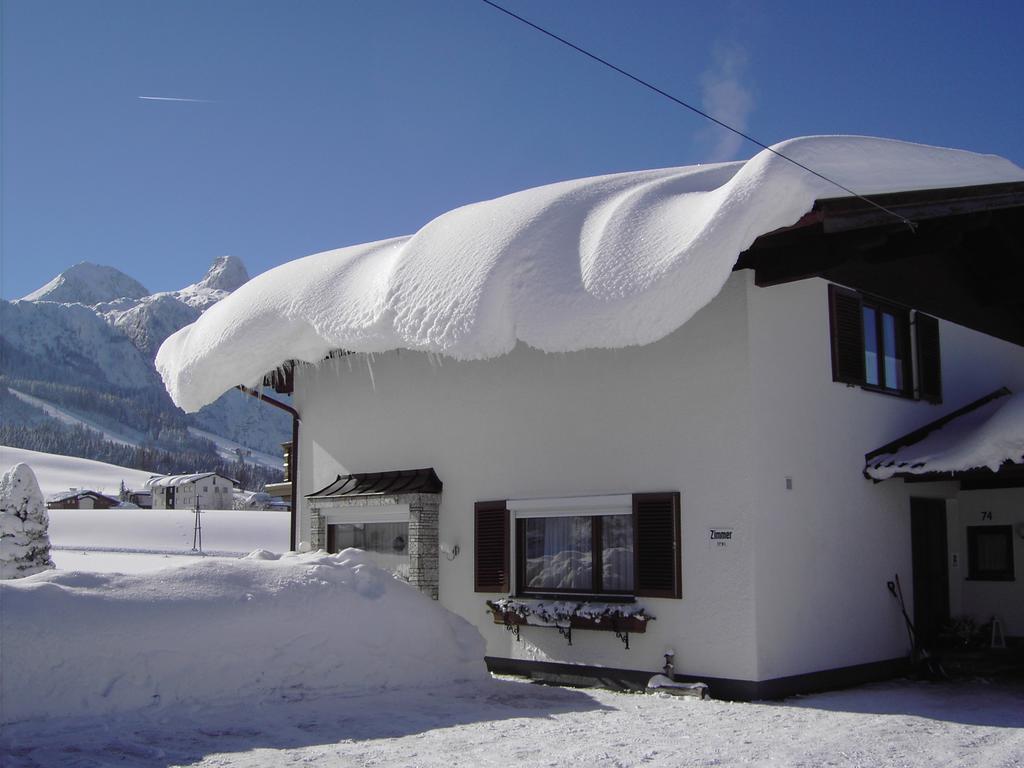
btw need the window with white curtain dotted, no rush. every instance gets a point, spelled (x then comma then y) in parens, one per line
(580, 545)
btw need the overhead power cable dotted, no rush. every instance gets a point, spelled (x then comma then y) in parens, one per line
(692, 108)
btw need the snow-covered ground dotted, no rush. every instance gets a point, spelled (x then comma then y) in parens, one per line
(168, 531)
(348, 669)
(58, 473)
(505, 722)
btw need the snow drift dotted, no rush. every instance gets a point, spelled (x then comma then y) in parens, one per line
(260, 628)
(609, 261)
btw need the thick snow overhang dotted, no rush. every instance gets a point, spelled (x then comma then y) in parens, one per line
(980, 445)
(604, 262)
(381, 484)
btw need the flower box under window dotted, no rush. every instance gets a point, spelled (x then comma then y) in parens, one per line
(621, 618)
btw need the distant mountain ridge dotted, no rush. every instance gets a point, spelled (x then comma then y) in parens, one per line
(85, 342)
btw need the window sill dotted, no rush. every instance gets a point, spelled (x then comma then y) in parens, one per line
(900, 393)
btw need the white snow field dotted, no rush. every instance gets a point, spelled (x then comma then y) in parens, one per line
(57, 473)
(169, 531)
(609, 261)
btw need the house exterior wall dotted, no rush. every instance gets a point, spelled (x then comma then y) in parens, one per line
(214, 492)
(723, 410)
(670, 416)
(825, 549)
(981, 600)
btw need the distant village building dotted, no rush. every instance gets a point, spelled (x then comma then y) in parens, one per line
(180, 491)
(76, 498)
(141, 499)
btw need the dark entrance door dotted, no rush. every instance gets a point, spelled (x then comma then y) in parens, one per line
(169, 497)
(931, 575)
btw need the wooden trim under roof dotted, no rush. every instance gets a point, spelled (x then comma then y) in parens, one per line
(963, 261)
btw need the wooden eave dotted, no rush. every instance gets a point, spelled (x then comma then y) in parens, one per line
(963, 261)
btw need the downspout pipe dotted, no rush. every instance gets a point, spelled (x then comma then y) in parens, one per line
(294, 461)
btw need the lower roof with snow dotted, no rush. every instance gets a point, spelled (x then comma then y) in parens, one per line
(609, 261)
(986, 434)
(172, 481)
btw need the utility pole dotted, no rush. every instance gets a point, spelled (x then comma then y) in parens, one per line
(197, 532)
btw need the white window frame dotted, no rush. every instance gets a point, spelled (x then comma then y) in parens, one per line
(563, 506)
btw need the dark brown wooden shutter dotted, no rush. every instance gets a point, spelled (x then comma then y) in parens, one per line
(929, 360)
(490, 550)
(846, 325)
(658, 547)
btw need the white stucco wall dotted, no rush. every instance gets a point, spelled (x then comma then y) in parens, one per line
(724, 410)
(825, 549)
(669, 416)
(981, 600)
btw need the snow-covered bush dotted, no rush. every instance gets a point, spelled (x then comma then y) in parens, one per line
(24, 541)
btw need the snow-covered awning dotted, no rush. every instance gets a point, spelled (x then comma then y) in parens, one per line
(381, 484)
(987, 434)
(609, 261)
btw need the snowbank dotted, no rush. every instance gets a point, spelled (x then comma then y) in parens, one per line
(986, 437)
(608, 261)
(244, 631)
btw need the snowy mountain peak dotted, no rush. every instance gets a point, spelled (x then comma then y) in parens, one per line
(227, 273)
(87, 283)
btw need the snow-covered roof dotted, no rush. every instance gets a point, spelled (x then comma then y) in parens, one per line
(75, 493)
(167, 481)
(608, 261)
(985, 434)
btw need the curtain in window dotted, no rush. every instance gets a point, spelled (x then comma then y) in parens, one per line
(559, 553)
(617, 553)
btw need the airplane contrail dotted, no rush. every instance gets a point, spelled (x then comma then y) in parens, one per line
(171, 98)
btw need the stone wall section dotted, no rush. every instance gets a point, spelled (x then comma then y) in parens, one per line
(423, 530)
(423, 543)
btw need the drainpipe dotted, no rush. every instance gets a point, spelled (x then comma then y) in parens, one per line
(294, 461)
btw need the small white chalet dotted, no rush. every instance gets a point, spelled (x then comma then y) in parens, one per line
(706, 411)
(213, 491)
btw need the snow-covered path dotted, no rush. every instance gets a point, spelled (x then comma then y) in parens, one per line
(505, 722)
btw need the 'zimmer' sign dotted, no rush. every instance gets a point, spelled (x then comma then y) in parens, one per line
(720, 537)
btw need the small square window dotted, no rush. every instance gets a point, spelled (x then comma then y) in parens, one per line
(990, 552)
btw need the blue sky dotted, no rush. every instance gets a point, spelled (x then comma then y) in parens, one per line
(328, 123)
